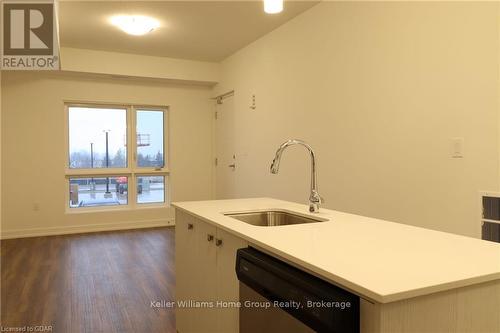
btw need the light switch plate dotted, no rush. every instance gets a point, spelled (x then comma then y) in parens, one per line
(457, 147)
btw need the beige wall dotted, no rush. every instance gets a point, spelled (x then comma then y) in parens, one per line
(142, 66)
(378, 89)
(34, 155)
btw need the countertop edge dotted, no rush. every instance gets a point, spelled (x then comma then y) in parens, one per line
(334, 279)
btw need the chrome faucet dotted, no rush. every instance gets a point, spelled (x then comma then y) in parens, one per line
(314, 198)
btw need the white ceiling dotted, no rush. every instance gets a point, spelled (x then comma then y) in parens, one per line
(198, 30)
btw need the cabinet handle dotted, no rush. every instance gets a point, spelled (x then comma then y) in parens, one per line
(210, 237)
(190, 226)
(218, 242)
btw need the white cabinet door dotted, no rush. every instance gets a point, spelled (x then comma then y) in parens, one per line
(227, 281)
(186, 244)
(205, 276)
(205, 272)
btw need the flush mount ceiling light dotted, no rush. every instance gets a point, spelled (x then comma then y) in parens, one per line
(273, 6)
(135, 24)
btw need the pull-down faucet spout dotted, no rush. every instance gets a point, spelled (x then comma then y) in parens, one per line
(314, 198)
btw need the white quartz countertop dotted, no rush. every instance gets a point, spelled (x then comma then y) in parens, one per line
(378, 260)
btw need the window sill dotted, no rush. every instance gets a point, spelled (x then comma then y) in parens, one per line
(100, 210)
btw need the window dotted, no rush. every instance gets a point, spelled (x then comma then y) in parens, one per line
(97, 138)
(92, 192)
(150, 189)
(150, 151)
(106, 167)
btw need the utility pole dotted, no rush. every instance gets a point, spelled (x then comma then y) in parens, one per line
(108, 193)
(92, 185)
(91, 155)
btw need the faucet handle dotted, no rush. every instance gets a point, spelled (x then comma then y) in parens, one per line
(314, 201)
(315, 197)
(314, 207)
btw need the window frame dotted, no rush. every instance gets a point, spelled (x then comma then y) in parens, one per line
(132, 171)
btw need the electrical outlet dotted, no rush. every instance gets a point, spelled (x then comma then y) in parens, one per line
(457, 147)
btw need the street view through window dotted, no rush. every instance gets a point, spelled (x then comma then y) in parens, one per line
(99, 146)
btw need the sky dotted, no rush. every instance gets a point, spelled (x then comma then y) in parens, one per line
(87, 125)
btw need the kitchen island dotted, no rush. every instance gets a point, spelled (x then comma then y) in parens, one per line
(409, 279)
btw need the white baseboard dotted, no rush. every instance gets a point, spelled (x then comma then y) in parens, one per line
(77, 229)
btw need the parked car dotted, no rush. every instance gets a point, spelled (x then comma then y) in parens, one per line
(122, 185)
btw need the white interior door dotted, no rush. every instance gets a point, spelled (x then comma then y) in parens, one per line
(224, 147)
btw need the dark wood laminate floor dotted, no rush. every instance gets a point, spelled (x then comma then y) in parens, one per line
(98, 282)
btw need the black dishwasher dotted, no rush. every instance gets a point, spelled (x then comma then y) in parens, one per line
(277, 297)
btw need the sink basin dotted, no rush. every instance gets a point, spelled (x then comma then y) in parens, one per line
(273, 218)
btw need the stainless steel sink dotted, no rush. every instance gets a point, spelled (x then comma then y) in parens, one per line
(273, 218)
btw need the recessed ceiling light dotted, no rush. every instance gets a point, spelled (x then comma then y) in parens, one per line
(135, 24)
(273, 6)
